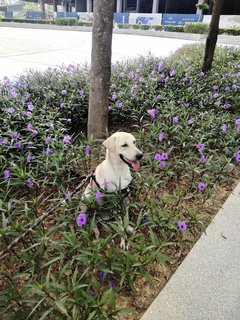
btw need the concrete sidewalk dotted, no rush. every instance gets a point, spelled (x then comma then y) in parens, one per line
(222, 39)
(206, 286)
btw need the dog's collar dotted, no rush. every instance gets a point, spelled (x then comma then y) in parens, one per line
(125, 192)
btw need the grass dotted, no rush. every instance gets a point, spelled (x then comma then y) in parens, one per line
(187, 125)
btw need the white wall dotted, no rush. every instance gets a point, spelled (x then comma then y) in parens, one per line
(225, 21)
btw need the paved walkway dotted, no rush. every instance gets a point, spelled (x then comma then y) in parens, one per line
(206, 286)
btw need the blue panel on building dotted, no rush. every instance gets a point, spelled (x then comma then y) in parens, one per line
(121, 17)
(180, 19)
(8, 14)
(67, 15)
(34, 15)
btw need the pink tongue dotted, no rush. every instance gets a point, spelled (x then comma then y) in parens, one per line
(135, 165)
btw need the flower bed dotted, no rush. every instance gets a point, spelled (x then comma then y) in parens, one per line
(187, 124)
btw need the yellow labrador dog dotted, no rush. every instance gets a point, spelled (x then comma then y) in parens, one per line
(113, 174)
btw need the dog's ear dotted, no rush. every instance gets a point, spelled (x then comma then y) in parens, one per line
(109, 143)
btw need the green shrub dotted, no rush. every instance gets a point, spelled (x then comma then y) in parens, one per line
(196, 27)
(66, 21)
(230, 31)
(156, 27)
(35, 21)
(84, 23)
(173, 28)
(187, 123)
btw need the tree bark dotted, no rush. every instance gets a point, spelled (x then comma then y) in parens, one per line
(100, 67)
(212, 35)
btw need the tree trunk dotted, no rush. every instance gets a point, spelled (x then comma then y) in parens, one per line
(212, 35)
(100, 67)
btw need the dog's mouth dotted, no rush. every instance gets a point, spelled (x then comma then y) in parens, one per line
(135, 165)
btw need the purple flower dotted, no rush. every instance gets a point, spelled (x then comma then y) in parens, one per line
(98, 196)
(238, 157)
(161, 136)
(201, 186)
(113, 86)
(66, 139)
(30, 106)
(29, 127)
(47, 151)
(62, 105)
(157, 156)
(81, 219)
(34, 132)
(15, 135)
(186, 104)
(10, 110)
(18, 144)
(224, 127)
(160, 66)
(105, 183)
(191, 121)
(172, 73)
(157, 197)
(175, 119)
(47, 140)
(202, 159)
(81, 92)
(216, 95)
(238, 128)
(69, 120)
(120, 104)
(102, 275)
(114, 96)
(30, 143)
(6, 174)
(165, 156)
(88, 150)
(7, 222)
(182, 226)
(227, 88)
(68, 194)
(162, 164)
(215, 87)
(200, 103)
(237, 122)
(29, 182)
(227, 106)
(64, 92)
(29, 158)
(152, 113)
(200, 146)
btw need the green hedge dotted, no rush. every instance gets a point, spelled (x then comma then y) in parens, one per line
(36, 21)
(192, 27)
(174, 28)
(230, 31)
(196, 27)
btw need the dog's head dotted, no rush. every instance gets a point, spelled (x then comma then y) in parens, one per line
(123, 144)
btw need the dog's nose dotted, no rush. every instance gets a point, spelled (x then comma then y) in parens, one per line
(139, 156)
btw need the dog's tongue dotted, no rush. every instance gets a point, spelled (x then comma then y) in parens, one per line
(135, 165)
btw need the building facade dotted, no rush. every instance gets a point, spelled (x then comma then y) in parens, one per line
(230, 7)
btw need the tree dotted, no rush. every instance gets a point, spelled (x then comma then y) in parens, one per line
(100, 67)
(212, 35)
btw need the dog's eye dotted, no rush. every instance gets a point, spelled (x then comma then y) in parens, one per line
(124, 145)
(134, 142)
